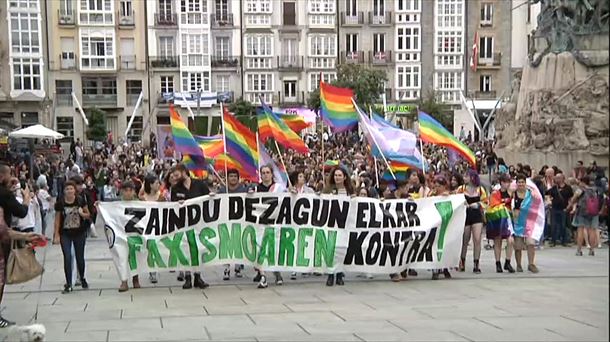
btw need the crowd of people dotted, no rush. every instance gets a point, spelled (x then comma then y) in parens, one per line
(57, 197)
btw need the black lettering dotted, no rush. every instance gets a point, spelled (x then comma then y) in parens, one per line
(176, 219)
(265, 217)
(138, 214)
(405, 237)
(249, 208)
(300, 216)
(284, 216)
(401, 217)
(354, 248)
(374, 248)
(215, 214)
(319, 216)
(164, 225)
(373, 223)
(236, 208)
(411, 208)
(363, 208)
(389, 248)
(414, 250)
(338, 214)
(388, 218)
(194, 214)
(426, 250)
(153, 222)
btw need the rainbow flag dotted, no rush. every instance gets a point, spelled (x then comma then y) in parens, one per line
(279, 172)
(399, 169)
(270, 126)
(329, 164)
(336, 107)
(212, 146)
(431, 131)
(530, 222)
(240, 144)
(295, 122)
(196, 165)
(192, 155)
(498, 216)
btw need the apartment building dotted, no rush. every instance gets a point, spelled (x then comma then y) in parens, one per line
(408, 44)
(97, 51)
(487, 28)
(524, 20)
(24, 97)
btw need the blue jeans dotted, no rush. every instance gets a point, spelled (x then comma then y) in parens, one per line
(558, 224)
(78, 241)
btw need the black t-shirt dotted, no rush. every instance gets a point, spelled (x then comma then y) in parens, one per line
(491, 158)
(10, 205)
(71, 221)
(198, 188)
(260, 187)
(561, 197)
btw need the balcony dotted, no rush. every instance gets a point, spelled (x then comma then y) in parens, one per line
(128, 62)
(297, 99)
(164, 62)
(66, 17)
(352, 19)
(322, 62)
(484, 95)
(166, 19)
(100, 100)
(290, 63)
(380, 57)
(355, 57)
(67, 61)
(259, 62)
(491, 63)
(63, 100)
(126, 19)
(95, 63)
(225, 62)
(380, 19)
(224, 20)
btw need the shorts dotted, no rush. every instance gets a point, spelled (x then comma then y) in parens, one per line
(585, 221)
(473, 216)
(521, 243)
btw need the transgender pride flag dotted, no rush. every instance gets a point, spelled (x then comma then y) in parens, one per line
(530, 223)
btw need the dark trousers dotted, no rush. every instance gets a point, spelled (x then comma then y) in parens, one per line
(558, 222)
(78, 241)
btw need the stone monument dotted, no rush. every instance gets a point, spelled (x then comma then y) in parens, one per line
(558, 109)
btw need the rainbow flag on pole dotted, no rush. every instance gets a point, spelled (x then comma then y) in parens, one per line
(212, 146)
(240, 145)
(336, 107)
(271, 126)
(192, 155)
(431, 131)
(294, 122)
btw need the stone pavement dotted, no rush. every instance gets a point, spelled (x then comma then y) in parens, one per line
(567, 300)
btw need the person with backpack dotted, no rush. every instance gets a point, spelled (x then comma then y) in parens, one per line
(586, 205)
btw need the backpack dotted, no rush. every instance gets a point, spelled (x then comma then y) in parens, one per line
(591, 203)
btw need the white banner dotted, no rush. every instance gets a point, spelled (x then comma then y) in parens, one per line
(285, 232)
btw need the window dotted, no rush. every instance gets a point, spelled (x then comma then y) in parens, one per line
(289, 14)
(449, 80)
(25, 38)
(65, 125)
(408, 5)
(63, 92)
(96, 12)
(222, 9)
(7, 121)
(449, 13)
(126, 8)
(194, 81)
(167, 84)
(136, 129)
(29, 119)
(194, 49)
(222, 48)
(193, 12)
(99, 86)
(26, 74)
(408, 77)
(449, 42)
(314, 79)
(134, 88)
(408, 39)
(378, 7)
(322, 45)
(259, 82)
(378, 42)
(23, 4)
(322, 6)
(97, 49)
(485, 83)
(290, 90)
(259, 45)
(351, 42)
(165, 9)
(486, 14)
(258, 6)
(65, 7)
(486, 47)
(166, 47)
(222, 83)
(351, 8)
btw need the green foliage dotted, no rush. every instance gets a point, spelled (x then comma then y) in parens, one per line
(366, 83)
(97, 125)
(438, 110)
(245, 112)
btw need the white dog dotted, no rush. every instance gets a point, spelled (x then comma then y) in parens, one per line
(27, 333)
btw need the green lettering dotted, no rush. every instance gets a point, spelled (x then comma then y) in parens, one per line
(267, 250)
(204, 237)
(230, 243)
(248, 242)
(134, 243)
(287, 236)
(303, 234)
(324, 248)
(193, 248)
(154, 257)
(175, 253)
(445, 209)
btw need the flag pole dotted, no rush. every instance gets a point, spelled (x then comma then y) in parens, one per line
(321, 128)
(375, 158)
(258, 160)
(224, 144)
(282, 160)
(421, 145)
(374, 141)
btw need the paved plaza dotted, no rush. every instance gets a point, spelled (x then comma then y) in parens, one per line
(567, 300)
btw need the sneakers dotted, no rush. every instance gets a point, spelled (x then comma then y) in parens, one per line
(395, 277)
(293, 276)
(199, 283)
(227, 274)
(187, 282)
(412, 273)
(532, 268)
(84, 284)
(279, 281)
(369, 276)
(508, 267)
(67, 289)
(578, 253)
(180, 276)
(340, 281)
(330, 281)
(591, 253)
(499, 267)
(136, 282)
(403, 275)
(5, 323)
(153, 277)
(519, 268)
(124, 287)
(257, 278)
(238, 273)
(262, 284)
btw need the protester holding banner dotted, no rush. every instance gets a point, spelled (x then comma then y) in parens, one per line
(499, 223)
(233, 186)
(187, 188)
(338, 183)
(476, 197)
(71, 213)
(297, 179)
(440, 189)
(128, 193)
(151, 192)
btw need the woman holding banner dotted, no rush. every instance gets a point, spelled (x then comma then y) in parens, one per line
(338, 183)
(441, 189)
(476, 197)
(151, 192)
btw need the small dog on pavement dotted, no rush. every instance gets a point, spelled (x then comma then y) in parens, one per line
(27, 333)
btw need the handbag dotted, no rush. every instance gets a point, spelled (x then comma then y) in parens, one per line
(22, 265)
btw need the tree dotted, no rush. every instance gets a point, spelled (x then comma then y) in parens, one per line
(245, 112)
(97, 125)
(367, 84)
(438, 110)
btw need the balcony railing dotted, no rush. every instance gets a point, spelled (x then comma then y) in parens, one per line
(380, 19)
(164, 62)
(126, 19)
(63, 100)
(66, 63)
(485, 95)
(380, 57)
(128, 62)
(225, 61)
(167, 19)
(66, 17)
(494, 61)
(259, 62)
(298, 98)
(352, 57)
(355, 19)
(290, 62)
(99, 100)
(220, 20)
